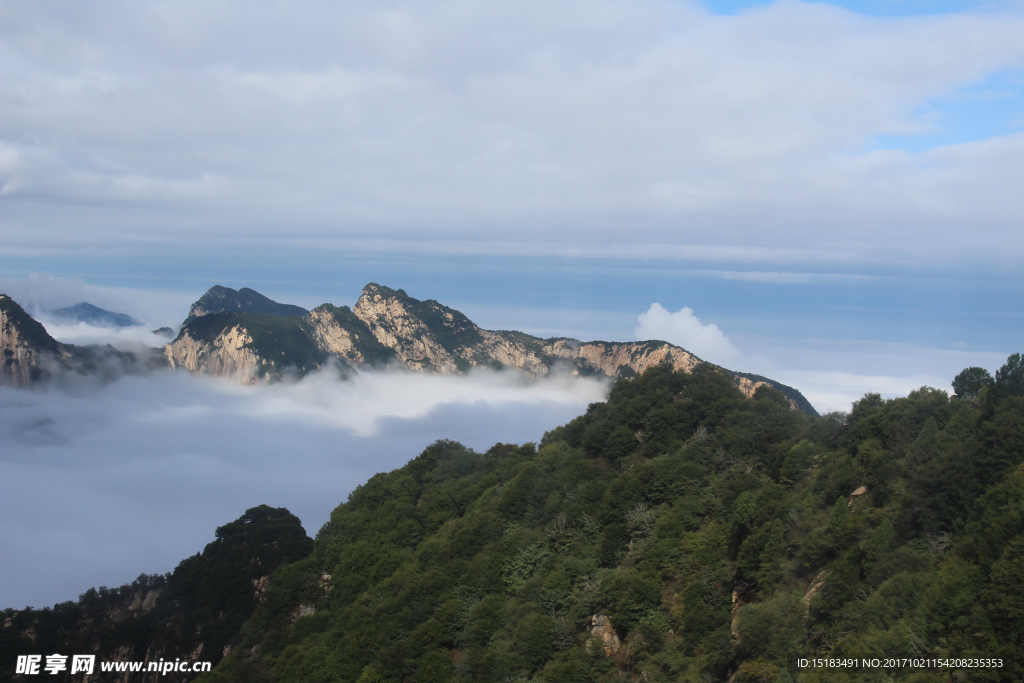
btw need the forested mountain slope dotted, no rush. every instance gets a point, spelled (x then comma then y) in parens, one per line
(193, 613)
(677, 532)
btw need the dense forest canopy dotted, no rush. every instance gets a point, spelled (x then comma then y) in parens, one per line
(193, 612)
(676, 532)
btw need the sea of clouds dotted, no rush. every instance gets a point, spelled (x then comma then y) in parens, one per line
(103, 482)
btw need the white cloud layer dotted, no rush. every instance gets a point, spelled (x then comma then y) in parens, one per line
(837, 391)
(124, 338)
(832, 374)
(684, 329)
(39, 293)
(101, 483)
(189, 123)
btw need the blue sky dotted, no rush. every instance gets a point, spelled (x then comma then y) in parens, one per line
(824, 193)
(990, 109)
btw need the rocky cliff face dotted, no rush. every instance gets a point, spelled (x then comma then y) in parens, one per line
(428, 336)
(388, 326)
(226, 355)
(425, 336)
(613, 358)
(339, 332)
(332, 337)
(253, 347)
(29, 352)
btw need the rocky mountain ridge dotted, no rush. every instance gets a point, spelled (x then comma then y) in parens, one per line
(385, 328)
(389, 327)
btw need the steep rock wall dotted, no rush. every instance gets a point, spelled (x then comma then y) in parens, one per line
(387, 325)
(27, 349)
(498, 350)
(390, 321)
(226, 355)
(330, 336)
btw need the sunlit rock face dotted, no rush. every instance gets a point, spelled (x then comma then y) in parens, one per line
(249, 338)
(227, 355)
(429, 336)
(609, 358)
(425, 336)
(28, 350)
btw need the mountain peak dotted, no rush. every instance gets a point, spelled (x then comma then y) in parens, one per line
(373, 289)
(220, 299)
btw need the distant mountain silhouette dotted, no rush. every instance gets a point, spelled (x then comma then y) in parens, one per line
(93, 315)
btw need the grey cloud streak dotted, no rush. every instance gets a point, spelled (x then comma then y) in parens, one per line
(460, 119)
(103, 482)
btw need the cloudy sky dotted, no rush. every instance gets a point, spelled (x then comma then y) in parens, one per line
(824, 193)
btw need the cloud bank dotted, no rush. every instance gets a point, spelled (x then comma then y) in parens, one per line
(684, 329)
(104, 482)
(132, 127)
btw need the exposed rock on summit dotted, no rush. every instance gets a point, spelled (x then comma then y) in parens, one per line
(424, 335)
(227, 354)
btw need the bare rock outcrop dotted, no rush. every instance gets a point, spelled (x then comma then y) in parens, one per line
(609, 358)
(330, 336)
(601, 626)
(226, 355)
(748, 387)
(429, 336)
(388, 316)
(508, 350)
